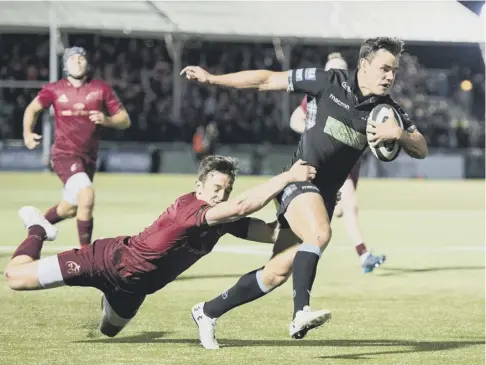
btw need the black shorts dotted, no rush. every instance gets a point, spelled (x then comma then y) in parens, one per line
(295, 189)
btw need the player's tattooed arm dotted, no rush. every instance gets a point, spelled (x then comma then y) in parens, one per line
(412, 141)
(257, 79)
(414, 144)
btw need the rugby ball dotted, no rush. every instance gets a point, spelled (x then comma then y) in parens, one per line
(385, 151)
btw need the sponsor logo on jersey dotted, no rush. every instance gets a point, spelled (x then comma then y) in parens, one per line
(339, 102)
(63, 99)
(74, 113)
(346, 87)
(78, 106)
(74, 167)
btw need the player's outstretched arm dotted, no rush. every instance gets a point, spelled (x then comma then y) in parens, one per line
(31, 114)
(297, 120)
(256, 198)
(256, 79)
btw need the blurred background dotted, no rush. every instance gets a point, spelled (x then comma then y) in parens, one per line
(139, 48)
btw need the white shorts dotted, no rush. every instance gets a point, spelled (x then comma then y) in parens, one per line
(73, 185)
(49, 273)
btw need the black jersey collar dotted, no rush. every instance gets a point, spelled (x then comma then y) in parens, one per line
(359, 99)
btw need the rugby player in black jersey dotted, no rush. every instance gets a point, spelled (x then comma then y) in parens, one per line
(336, 136)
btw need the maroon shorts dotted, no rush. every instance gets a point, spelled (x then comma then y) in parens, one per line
(66, 166)
(354, 174)
(90, 267)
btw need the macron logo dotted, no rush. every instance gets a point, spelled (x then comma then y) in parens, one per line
(338, 102)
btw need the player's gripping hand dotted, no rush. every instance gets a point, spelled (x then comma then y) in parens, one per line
(300, 171)
(382, 132)
(32, 140)
(196, 73)
(97, 117)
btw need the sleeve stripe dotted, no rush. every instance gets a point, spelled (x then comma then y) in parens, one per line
(411, 128)
(290, 86)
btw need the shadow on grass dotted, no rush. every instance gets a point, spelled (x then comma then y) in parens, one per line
(411, 346)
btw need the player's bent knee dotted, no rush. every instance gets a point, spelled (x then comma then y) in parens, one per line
(110, 330)
(323, 237)
(111, 322)
(12, 282)
(16, 285)
(86, 197)
(15, 280)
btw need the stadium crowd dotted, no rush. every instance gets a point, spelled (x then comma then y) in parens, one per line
(446, 102)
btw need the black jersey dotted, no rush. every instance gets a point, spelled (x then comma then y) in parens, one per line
(337, 114)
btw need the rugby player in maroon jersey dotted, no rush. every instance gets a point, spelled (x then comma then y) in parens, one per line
(79, 103)
(127, 268)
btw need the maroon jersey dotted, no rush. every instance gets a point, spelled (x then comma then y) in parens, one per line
(150, 260)
(75, 133)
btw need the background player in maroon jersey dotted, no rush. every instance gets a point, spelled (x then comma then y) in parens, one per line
(127, 268)
(348, 206)
(78, 103)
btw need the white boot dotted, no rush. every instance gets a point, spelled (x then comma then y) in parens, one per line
(207, 327)
(32, 216)
(306, 320)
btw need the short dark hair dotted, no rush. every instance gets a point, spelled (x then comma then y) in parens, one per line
(223, 164)
(372, 45)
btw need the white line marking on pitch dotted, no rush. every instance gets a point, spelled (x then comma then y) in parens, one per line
(267, 249)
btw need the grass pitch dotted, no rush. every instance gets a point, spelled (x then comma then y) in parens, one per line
(424, 306)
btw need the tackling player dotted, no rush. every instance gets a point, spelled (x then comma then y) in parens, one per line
(126, 269)
(334, 139)
(348, 206)
(78, 103)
